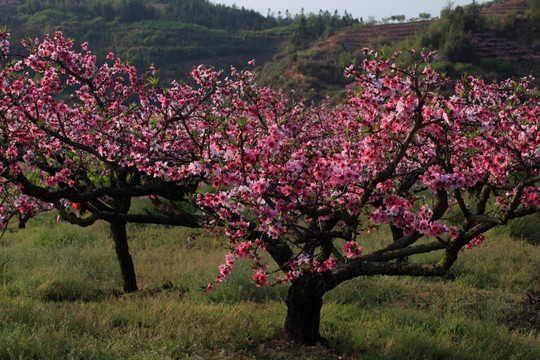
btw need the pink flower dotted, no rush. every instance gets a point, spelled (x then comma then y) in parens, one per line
(427, 70)
(437, 229)
(352, 249)
(244, 249)
(272, 145)
(259, 187)
(260, 278)
(329, 264)
(476, 241)
(230, 259)
(224, 270)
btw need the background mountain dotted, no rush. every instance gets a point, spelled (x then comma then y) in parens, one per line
(303, 52)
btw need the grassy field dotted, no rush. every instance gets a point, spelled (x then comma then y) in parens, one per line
(60, 298)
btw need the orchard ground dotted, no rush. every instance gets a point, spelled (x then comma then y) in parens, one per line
(61, 298)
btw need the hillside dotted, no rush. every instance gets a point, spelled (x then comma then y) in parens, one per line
(518, 7)
(508, 41)
(355, 39)
(497, 40)
(9, 7)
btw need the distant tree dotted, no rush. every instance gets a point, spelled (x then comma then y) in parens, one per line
(301, 36)
(371, 20)
(424, 16)
(458, 46)
(449, 5)
(132, 10)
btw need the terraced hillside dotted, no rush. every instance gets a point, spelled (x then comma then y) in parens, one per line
(519, 7)
(355, 39)
(506, 44)
(9, 7)
(490, 44)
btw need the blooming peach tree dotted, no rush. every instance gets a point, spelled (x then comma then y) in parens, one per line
(87, 139)
(306, 184)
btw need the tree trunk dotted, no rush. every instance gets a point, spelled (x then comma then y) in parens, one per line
(119, 235)
(23, 219)
(304, 303)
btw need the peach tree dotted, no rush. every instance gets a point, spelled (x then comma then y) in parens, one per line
(306, 184)
(86, 139)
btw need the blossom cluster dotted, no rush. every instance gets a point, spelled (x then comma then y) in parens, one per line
(4, 43)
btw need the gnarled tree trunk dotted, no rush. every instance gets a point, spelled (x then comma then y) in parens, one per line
(304, 303)
(119, 235)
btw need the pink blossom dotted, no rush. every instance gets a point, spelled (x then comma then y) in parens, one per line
(327, 265)
(260, 277)
(477, 241)
(244, 249)
(352, 249)
(230, 260)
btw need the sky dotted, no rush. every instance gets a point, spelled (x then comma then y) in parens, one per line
(357, 8)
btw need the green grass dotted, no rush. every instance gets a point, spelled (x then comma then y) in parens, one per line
(60, 298)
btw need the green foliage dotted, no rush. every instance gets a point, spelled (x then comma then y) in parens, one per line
(450, 35)
(533, 5)
(131, 10)
(215, 16)
(533, 21)
(499, 64)
(48, 16)
(200, 12)
(458, 47)
(312, 27)
(323, 71)
(455, 70)
(379, 43)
